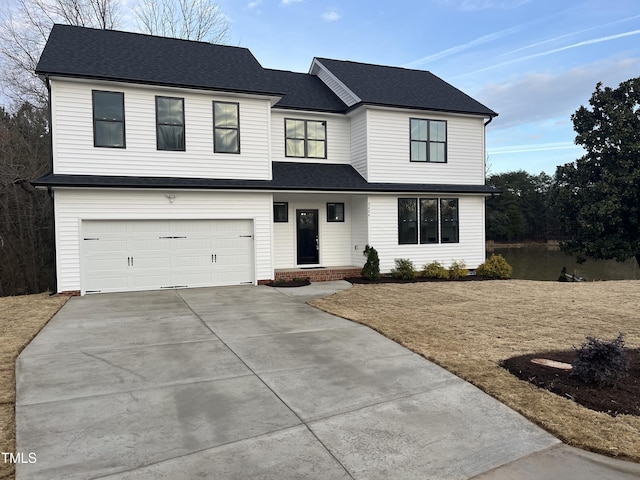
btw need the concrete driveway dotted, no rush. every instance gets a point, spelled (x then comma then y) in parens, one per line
(246, 382)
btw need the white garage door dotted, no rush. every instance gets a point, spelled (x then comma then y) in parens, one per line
(126, 255)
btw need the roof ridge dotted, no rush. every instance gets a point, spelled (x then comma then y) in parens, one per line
(375, 65)
(149, 35)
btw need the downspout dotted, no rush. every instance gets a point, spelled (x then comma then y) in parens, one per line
(50, 191)
(484, 160)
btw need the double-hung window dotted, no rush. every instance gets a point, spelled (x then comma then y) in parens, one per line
(170, 123)
(428, 220)
(226, 127)
(108, 119)
(428, 140)
(305, 138)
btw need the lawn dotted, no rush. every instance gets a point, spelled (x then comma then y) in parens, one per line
(21, 318)
(469, 327)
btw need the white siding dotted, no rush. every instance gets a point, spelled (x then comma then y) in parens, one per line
(359, 228)
(389, 144)
(334, 237)
(383, 228)
(359, 141)
(74, 152)
(73, 206)
(338, 136)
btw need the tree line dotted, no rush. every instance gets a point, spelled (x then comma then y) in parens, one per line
(525, 210)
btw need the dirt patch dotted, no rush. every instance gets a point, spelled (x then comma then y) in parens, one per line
(624, 398)
(469, 327)
(21, 318)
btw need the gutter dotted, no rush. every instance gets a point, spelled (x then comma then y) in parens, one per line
(50, 191)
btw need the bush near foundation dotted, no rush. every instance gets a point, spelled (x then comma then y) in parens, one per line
(371, 269)
(495, 267)
(458, 269)
(435, 270)
(404, 269)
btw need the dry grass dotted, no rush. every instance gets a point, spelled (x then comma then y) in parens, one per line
(21, 318)
(468, 327)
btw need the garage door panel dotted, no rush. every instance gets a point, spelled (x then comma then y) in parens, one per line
(154, 254)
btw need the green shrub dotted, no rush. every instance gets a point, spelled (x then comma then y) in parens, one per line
(494, 267)
(435, 270)
(600, 362)
(371, 269)
(458, 270)
(404, 269)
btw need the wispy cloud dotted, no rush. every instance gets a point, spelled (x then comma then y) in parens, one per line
(289, 2)
(253, 5)
(459, 48)
(538, 97)
(555, 50)
(534, 147)
(566, 35)
(331, 15)
(474, 5)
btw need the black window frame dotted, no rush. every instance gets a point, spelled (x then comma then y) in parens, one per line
(427, 224)
(285, 206)
(97, 120)
(428, 141)
(449, 223)
(305, 139)
(335, 218)
(216, 149)
(450, 226)
(404, 223)
(170, 124)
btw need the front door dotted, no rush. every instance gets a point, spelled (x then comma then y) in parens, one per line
(307, 229)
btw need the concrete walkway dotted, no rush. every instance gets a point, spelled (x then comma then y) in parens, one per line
(250, 382)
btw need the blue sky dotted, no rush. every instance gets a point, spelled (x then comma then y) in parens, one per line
(532, 61)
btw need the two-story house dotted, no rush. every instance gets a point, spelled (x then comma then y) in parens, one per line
(183, 164)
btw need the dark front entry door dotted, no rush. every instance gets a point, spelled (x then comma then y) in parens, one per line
(307, 228)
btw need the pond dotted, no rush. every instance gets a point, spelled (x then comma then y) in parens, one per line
(545, 262)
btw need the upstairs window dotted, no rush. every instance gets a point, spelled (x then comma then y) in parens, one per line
(108, 119)
(305, 138)
(170, 123)
(428, 220)
(226, 127)
(428, 140)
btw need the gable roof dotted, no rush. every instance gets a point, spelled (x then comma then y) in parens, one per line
(82, 52)
(133, 57)
(304, 92)
(402, 87)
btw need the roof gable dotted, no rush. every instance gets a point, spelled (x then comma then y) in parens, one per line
(402, 87)
(114, 55)
(304, 92)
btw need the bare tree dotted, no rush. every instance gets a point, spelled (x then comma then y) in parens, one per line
(201, 20)
(24, 31)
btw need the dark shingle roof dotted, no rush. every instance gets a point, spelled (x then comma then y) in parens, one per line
(402, 87)
(286, 176)
(304, 92)
(114, 55)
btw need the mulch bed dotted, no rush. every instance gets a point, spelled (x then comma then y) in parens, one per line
(621, 399)
(384, 279)
(296, 282)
